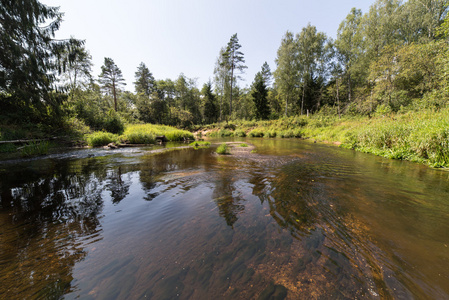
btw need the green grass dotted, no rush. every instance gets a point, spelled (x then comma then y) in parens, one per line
(419, 136)
(243, 145)
(147, 133)
(34, 149)
(101, 138)
(199, 144)
(222, 149)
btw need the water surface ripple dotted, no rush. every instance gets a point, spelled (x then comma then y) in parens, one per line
(295, 220)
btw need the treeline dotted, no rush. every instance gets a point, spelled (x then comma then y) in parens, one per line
(392, 58)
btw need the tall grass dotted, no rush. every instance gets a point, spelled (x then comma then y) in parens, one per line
(147, 133)
(421, 136)
(101, 138)
(34, 149)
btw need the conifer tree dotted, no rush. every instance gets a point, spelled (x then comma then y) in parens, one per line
(29, 55)
(144, 83)
(233, 60)
(111, 79)
(260, 97)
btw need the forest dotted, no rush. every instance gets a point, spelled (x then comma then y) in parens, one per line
(390, 60)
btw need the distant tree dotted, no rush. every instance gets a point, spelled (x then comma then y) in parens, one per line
(111, 79)
(266, 74)
(144, 83)
(312, 57)
(260, 97)
(77, 66)
(286, 74)
(29, 56)
(210, 105)
(349, 45)
(221, 76)
(233, 60)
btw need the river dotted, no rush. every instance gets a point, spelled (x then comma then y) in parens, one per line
(292, 220)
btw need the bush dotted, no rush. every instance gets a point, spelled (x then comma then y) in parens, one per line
(101, 138)
(243, 145)
(239, 133)
(255, 133)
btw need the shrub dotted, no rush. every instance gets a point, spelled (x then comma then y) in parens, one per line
(243, 145)
(255, 133)
(239, 133)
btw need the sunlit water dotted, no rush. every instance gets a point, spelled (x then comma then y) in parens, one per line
(295, 220)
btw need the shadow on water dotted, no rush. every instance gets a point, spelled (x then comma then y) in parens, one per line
(296, 221)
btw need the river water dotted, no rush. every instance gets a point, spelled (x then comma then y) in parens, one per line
(295, 220)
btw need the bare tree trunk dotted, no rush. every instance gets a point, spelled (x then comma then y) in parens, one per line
(230, 101)
(114, 92)
(338, 100)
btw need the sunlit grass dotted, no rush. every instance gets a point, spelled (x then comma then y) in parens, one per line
(147, 133)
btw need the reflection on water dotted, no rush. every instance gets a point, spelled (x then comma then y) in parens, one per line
(295, 221)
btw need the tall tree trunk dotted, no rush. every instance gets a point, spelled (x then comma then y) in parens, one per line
(230, 101)
(114, 92)
(302, 101)
(338, 100)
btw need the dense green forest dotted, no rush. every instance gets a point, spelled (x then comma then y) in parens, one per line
(391, 59)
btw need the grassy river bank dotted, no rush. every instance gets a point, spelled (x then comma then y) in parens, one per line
(418, 136)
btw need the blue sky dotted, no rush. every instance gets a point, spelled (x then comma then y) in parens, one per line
(174, 36)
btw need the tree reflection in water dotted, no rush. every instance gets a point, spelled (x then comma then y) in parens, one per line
(44, 213)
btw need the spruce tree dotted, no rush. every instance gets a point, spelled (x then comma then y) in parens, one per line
(144, 83)
(260, 97)
(29, 56)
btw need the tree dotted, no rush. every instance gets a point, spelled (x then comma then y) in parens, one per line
(111, 79)
(286, 74)
(210, 107)
(233, 60)
(260, 97)
(221, 76)
(77, 65)
(349, 45)
(266, 74)
(312, 56)
(29, 56)
(144, 83)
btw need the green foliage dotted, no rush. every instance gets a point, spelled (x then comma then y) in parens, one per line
(101, 138)
(243, 145)
(239, 133)
(34, 149)
(222, 149)
(256, 133)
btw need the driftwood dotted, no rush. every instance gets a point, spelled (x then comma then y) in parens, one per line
(27, 141)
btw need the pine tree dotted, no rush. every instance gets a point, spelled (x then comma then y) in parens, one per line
(233, 60)
(144, 83)
(111, 79)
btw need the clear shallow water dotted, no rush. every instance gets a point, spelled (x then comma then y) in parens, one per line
(296, 220)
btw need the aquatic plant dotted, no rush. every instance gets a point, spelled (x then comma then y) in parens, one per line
(199, 144)
(222, 149)
(35, 148)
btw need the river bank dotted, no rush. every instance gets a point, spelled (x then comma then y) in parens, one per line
(418, 136)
